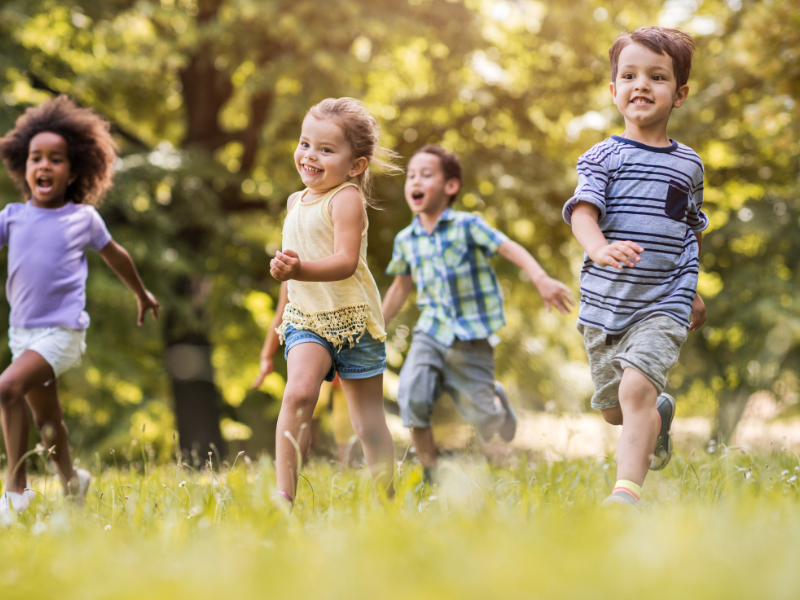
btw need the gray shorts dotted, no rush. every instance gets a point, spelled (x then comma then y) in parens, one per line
(465, 371)
(651, 347)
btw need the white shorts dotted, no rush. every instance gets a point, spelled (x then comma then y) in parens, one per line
(61, 348)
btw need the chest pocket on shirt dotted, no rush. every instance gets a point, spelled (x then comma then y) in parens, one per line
(454, 251)
(677, 201)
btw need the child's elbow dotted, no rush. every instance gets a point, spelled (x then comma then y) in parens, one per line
(350, 268)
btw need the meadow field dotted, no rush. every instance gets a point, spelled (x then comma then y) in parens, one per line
(719, 524)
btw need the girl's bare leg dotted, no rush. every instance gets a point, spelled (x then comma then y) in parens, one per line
(307, 366)
(365, 400)
(30, 371)
(49, 419)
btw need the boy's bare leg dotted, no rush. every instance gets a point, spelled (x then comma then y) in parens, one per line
(29, 371)
(422, 438)
(49, 419)
(307, 366)
(365, 400)
(637, 398)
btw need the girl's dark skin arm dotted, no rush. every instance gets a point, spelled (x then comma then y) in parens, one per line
(118, 259)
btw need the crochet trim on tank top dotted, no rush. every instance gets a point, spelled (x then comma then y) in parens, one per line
(345, 325)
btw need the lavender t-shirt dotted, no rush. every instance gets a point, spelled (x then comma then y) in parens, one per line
(47, 262)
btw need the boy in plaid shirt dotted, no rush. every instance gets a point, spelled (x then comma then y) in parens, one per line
(446, 253)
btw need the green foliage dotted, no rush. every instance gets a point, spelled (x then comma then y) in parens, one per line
(524, 530)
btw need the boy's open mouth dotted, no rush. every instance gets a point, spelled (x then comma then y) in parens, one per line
(311, 170)
(417, 196)
(641, 100)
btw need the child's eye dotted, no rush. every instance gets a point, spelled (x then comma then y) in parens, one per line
(658, 77)
(628, 76)
(303, 144)
(327, 150)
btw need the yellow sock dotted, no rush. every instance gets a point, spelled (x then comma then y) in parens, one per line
(627, 488)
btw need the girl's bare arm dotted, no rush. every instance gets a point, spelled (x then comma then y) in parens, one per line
(349, 219)
(118, 259)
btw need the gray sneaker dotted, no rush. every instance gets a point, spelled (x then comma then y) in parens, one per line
(663, 451)
(508, 429)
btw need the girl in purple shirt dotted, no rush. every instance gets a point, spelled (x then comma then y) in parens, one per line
(60, 157)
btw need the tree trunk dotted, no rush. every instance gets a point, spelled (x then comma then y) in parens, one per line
(731, 409)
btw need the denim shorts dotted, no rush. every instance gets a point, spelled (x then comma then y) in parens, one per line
(366, 359)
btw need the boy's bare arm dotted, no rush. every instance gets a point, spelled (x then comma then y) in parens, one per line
(396, 297)
(698, 306)
(118, 259)
(595, 244)
(272, 342)
(553, 292)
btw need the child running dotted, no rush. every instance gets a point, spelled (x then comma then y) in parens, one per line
(60, 157)
(636, 213)
(446, 253)
(332, 322)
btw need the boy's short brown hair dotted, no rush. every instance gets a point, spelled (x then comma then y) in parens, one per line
(90, 147)
(451, 165)
(661, 40)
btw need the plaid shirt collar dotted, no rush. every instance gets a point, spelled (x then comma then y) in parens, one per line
(416, 226)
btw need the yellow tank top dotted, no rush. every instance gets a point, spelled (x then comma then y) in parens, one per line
(339, 311)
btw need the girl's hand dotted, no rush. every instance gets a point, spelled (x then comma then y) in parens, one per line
(147, 302)
(612, 255)
(267, 367)
(285, 266)
(554, 293)
(698, 313)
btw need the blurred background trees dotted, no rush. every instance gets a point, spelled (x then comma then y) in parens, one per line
(207, 97)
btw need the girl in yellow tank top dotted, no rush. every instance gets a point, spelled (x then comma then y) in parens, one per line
(329, 316)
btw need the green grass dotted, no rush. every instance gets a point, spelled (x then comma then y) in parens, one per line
(712, 526)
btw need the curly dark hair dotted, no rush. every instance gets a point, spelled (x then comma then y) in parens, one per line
(90, 147)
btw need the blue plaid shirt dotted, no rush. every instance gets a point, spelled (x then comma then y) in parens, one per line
(457, 289)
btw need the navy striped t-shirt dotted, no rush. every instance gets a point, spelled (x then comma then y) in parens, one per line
(651, 196)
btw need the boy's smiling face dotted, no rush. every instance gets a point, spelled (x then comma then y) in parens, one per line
(47, 171)
(645, 90)
(426, 190)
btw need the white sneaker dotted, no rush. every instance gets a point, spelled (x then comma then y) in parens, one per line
(84, 480)
(14, 501)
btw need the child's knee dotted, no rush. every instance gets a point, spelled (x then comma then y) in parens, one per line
(11, 392)
(613, 416)
(636, 390)
(300, 399)
(48, 424)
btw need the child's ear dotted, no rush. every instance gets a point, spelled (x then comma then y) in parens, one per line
(681, 96)
(72, 178)
(613, 89)
(452, 186)
(359, 166)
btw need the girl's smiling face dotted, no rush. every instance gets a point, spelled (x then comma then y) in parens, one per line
(47, 171)
(323, 156)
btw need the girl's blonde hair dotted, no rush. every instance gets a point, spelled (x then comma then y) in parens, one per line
(363, 134)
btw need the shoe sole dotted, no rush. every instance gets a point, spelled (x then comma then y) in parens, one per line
(666, 456)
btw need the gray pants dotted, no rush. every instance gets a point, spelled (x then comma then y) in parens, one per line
(651, 347)
(465, 371)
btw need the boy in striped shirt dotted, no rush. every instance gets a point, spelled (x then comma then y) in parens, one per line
(446, 254)
(636, 213)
